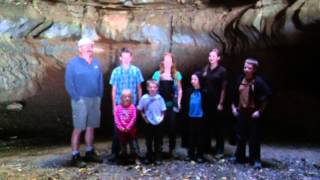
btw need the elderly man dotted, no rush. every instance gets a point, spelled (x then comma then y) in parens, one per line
(84, 84)
(249, 102)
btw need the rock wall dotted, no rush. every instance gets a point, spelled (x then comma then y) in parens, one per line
(37, 40)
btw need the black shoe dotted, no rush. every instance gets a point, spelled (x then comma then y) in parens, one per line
(76, 161)
(112, 157)
(219, 156)
(257, 165)
(188, 158)
(173, 154)
(200, 160)
(235, 159)
(158, 162)
(91, 156)
(146, 161)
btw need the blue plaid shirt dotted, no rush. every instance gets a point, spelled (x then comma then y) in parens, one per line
(126, 79)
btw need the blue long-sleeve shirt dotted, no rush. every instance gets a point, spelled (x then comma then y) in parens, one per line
(83, 79)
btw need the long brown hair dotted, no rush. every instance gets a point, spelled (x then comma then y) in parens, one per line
(173, 67)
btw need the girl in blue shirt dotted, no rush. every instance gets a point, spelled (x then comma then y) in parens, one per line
(195, 108)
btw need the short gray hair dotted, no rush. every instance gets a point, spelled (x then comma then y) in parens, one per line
(151, 81)
(252, 61)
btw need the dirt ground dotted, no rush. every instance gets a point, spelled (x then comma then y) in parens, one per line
(51, 161)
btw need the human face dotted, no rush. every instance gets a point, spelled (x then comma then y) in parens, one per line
(167, 62)
(249, 70)
(125, 58)
(195, 81)
(126, 99)
(86, 51)
(213, 57)
(152, 89)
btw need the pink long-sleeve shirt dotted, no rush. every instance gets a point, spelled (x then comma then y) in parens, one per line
(125, 117)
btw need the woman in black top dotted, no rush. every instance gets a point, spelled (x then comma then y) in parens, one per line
(215, 78)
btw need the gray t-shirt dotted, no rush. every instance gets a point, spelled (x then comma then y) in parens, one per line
(152, 106)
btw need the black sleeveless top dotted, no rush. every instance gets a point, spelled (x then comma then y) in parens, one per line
(166, 90)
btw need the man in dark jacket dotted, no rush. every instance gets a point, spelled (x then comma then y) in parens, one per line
(249, 102)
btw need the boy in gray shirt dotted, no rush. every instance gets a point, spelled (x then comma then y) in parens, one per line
(152, 108)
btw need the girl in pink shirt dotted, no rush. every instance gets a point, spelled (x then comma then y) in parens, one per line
(125, 116)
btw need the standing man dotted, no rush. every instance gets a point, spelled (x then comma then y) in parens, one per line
(125, 76)
(215, 78)
(84, 84)
(249, 102)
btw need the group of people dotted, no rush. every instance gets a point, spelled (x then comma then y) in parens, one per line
(202, 103)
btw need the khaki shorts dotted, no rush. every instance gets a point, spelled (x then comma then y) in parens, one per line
(86, 112)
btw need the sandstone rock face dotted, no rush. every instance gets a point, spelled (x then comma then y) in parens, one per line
(38, 39)
(21, 71)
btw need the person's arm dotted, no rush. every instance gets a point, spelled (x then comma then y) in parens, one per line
(133, 118)
(140, 80)
(139, 91)
(69, 83)
(234, 110)
(101, 84)
(223, 90)
(113, 97)
(144, 117)
(100, 80)
(222, 97)
(162, 116)
(163, 109)
(140, 108)
(179, 94)
(117, 120)
(266, 93)
(235, 95)
(113, 82)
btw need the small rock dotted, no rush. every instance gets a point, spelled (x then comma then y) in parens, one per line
(14, 107)
(14, 137)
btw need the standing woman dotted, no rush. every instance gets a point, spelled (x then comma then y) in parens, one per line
(215, 78)
(170, 89)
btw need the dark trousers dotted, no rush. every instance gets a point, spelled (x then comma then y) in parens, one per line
(153, 134)
(215, 127)
(248, 130)
(219, 127)
(170, 125)
(133, 144)
(195, 137)
(115, 149)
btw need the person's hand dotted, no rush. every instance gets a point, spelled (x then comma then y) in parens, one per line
(113, 108)
(235, 111)
(161, 118)
(220, 107)
(145, 118)
(256, 115)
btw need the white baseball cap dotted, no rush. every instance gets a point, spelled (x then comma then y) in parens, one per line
(84, 41)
